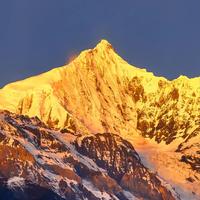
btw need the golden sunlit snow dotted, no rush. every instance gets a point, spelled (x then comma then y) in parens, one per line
(98, 91)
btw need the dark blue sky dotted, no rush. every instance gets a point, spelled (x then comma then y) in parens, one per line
(37, 35)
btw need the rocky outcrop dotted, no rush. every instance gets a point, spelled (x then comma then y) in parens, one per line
(28, 192)
(123, 164)
(190, 150)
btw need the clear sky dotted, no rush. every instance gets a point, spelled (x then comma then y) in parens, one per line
(37, 35)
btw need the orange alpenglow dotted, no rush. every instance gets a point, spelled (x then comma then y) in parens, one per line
(99, 92)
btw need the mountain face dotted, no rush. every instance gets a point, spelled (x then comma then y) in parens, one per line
(80, 95)
(100, 92)
(63, 166)
(97, 94)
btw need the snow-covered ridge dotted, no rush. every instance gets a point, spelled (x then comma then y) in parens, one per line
(32, 154)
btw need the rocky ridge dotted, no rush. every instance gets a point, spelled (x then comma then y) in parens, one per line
(34, 157)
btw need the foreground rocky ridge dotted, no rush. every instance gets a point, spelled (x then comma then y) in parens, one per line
(63, 166)
(123, 164)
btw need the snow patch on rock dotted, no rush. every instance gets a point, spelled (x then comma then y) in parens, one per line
(16, 182)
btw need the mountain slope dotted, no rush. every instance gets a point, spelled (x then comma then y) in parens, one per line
(86, 88)
(100, 92)
(60, 165)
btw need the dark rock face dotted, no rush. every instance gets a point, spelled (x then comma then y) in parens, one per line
(110, 152)
(30, 192)
(102, 166)
(190, 150)
(193, 161)
(123, 164)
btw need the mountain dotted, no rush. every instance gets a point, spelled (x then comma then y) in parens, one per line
(55, 165)
(73, 95)
(99, 92)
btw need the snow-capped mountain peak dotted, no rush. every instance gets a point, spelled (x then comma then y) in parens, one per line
(99, 92)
